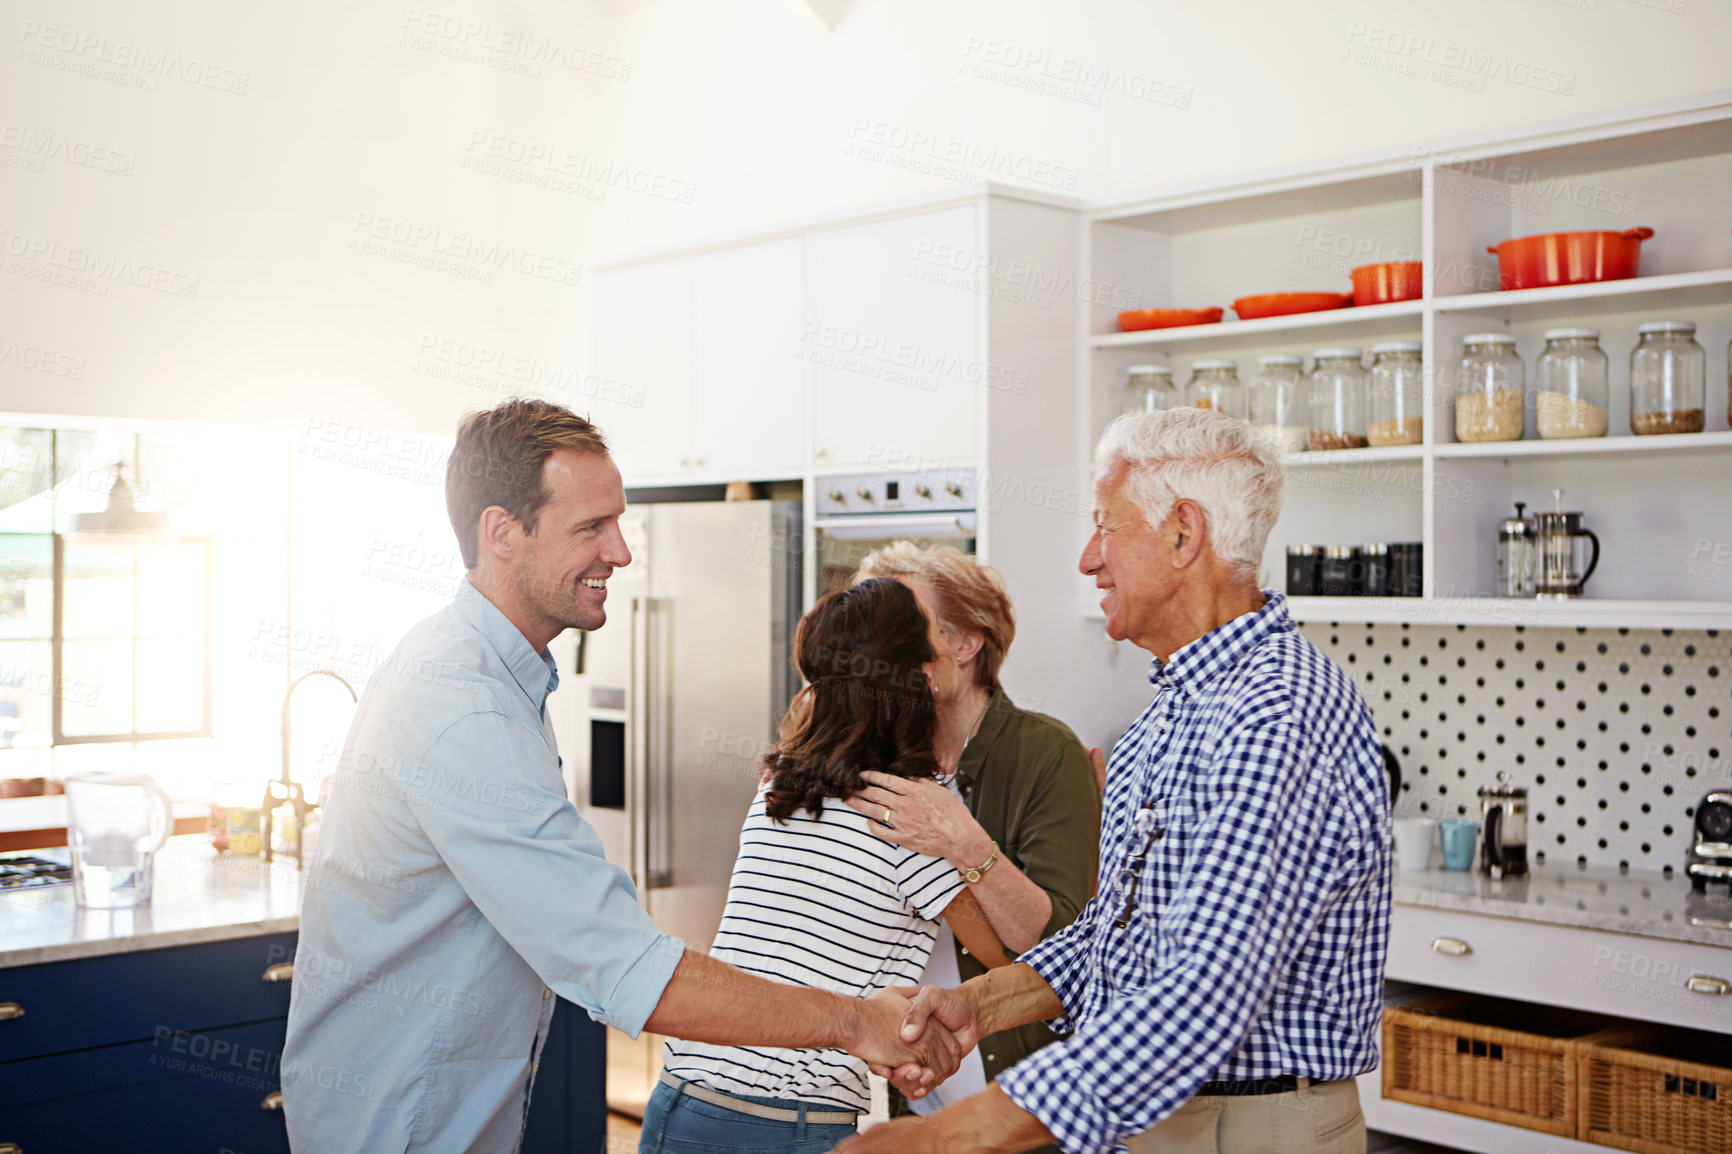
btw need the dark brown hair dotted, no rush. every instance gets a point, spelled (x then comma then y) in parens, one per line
(498, 460)
(867, 704)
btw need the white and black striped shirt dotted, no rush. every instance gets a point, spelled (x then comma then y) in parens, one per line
(818, 902)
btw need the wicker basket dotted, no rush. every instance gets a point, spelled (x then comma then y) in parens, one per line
(1445, 1053)
(1657, 1090)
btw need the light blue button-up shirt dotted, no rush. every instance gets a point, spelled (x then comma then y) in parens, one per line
(454, 891)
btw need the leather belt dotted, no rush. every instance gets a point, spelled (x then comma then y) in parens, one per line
(756, 1110)
(1283, 1084)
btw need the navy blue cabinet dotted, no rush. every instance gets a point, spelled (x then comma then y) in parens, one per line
(178, 1049)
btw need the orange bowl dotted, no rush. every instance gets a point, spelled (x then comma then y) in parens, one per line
(1285, 304)
(1394, 280)
(1137, 320)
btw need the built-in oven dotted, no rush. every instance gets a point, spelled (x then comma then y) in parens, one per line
(856, 513)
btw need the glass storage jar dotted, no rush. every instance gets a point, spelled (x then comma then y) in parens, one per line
(1668, 379)
(1338, 400)
(1489, 390)
(1570, 381)
(1214, 384)
(1397, 394)
(1150, 389)
(1277, 402)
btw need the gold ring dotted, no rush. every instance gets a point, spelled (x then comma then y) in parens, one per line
(886, 818)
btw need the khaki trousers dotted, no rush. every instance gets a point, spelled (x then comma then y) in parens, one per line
(1319, 1119)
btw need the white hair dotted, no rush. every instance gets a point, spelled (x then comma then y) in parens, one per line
(1210, 458)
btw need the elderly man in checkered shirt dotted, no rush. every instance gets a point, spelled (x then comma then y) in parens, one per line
(1225, 986)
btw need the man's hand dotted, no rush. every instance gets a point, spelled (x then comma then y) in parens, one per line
(910, 1135)
(933, 1008)
(882, 1037)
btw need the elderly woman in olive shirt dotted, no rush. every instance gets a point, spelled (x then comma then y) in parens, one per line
(1021, 816)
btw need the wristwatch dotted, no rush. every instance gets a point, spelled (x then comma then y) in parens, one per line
(975, 873)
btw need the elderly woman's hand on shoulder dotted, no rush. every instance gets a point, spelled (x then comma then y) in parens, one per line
(924, 816)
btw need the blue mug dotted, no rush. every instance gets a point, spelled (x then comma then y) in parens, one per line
(1459, 837)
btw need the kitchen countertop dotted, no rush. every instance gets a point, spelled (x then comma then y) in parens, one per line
(203, 896)
(198, 896)
(1646, 904)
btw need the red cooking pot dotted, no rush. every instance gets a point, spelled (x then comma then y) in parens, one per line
(1381, 284)
(1555, 258)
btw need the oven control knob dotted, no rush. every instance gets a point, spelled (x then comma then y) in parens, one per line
(953, 489)
(863, 494)
(836, 496)
(923, 491)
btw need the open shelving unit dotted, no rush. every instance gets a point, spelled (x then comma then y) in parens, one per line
(1658, 503)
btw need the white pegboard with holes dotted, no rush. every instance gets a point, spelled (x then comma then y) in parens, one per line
(1616, 734)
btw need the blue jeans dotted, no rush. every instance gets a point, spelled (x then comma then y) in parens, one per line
(676, 1123)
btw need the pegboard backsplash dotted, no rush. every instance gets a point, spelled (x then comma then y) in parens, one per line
(1616, 733)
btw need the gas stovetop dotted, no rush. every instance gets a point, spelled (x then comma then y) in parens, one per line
(26, 872)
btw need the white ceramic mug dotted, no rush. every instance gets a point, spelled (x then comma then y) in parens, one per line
(1413, 838)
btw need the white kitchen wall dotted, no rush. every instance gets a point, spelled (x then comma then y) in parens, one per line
(373, 217)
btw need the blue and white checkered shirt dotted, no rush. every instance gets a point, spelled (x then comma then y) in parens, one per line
(1259, 918)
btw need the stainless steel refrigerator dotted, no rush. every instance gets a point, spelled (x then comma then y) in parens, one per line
(663, 713)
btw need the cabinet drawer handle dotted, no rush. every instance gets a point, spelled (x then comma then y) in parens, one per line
(1454, 947)
(1703, 984)
(281, 972)
(273, 1101)
(8, 1011)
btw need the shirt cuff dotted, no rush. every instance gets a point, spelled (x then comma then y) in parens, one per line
(1058, 1091)
(638, 992)
(1058, 972)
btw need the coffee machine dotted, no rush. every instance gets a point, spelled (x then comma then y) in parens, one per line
(1711, 854)
(1504, 829)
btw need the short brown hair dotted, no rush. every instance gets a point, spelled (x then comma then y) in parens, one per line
(971, 596)
(498, 459)
(867, 703)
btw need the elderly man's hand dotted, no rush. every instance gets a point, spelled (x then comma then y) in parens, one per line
(883, 1039)
(933, 1008)
(911, 1135)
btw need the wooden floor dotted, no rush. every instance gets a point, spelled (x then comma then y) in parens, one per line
(622, 1134)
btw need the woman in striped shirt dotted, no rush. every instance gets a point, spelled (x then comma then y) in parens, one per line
(815, 899)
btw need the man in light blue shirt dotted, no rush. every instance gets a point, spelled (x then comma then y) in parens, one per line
(456, 890)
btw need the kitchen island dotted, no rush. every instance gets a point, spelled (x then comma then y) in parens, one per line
(161, 1028)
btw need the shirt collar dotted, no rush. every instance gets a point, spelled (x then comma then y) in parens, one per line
(999, 707)
(535, 672)
(1222, 648)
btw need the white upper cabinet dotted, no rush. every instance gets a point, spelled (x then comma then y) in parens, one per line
(894, 356)
(644, 340)
(748, 397)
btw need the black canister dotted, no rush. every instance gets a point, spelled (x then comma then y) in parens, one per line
(1304, 570)
(1343, 570)
(1406, 569)
(1376, 583)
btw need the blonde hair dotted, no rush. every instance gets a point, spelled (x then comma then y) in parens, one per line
(970, 596)
(1210, 458)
